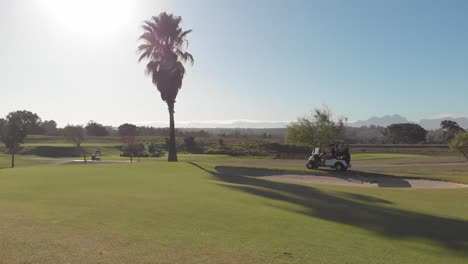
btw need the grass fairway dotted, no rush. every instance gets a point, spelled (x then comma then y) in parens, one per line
(159, 212)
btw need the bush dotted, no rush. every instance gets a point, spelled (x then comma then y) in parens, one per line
(460, 143)
(190, 142)
(156, 151)
(136, 150)
(191, 146)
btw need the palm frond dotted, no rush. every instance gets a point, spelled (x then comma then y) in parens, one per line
(185, 33)
(184, 56)
(152, 67)
(145, 54)
(148, 37)
(150, 25)
(147, 28)
(144, 47)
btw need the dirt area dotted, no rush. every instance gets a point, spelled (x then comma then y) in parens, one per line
(368, 181)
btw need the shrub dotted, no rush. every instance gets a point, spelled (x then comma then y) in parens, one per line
(155, 151)
(460, 143)
(135, 150)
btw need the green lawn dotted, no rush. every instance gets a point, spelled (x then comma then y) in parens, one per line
(158, 212)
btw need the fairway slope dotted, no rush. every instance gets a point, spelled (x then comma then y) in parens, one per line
(370, 215)
(159, 212)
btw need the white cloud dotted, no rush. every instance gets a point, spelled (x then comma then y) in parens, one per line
(439, 116)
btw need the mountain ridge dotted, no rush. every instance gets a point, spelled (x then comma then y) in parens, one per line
(428, 123)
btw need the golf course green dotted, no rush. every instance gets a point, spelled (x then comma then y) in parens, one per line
(191, 212)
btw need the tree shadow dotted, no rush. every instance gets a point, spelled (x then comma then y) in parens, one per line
(52, 151)
(364, 198)
(381, 180)
(356, 210)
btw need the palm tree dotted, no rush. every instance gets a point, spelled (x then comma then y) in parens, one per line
(164, 46)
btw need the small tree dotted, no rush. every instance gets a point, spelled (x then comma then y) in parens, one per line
(460, 143)
(328, 130)
(49, 127)
(14, 129)
(31, 121)
(76, 135)
(451, 129)
(96, 129)
(405, 133)
(128, 134)
(12, 133)
(317, 129)
(301, 132)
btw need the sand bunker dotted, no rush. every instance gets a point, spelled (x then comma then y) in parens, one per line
(383, 182)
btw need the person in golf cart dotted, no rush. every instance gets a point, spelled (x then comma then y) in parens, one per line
(346, 154)
(339, 152)
(332, 151)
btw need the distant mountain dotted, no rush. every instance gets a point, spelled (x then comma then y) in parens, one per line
(435, 123)
(429, 124)
(221, 124)
(381, 121)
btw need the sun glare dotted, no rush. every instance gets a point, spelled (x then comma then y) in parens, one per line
(90, 16)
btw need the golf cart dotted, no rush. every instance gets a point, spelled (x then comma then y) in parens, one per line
(320, 159)
(96, 155)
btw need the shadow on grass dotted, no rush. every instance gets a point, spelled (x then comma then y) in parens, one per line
(351, 209)
(364, 198)
(381, 180)
(51, 151)
(57, 151)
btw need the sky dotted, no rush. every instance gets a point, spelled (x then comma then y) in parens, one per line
(267, 60)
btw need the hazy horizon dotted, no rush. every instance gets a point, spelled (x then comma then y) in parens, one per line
(75, 61)
(428, 123)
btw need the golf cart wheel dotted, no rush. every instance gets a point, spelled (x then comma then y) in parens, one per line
(340, 167)
(310, 165)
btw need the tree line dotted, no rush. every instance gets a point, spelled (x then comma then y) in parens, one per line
(17, 125)
(322, 129)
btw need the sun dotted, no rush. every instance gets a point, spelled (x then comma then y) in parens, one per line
(90, 16)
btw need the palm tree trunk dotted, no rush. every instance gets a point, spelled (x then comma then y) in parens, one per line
(13, 158)
(172, 140)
